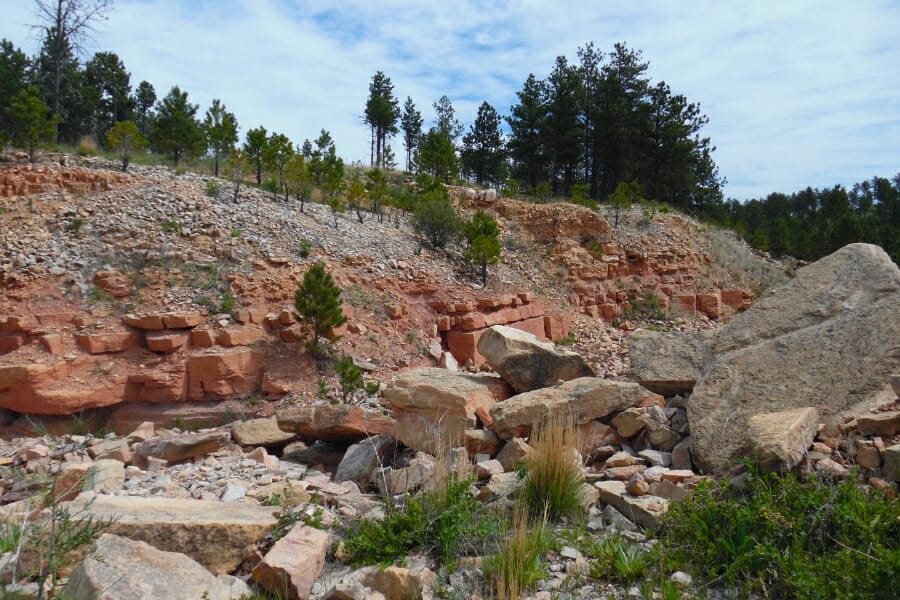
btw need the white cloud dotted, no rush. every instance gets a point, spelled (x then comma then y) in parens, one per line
(798, 93)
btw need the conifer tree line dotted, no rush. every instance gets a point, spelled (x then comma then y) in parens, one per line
(596, 128)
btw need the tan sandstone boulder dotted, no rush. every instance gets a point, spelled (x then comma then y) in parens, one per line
(527, 363)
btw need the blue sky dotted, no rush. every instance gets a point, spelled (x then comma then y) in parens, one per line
(800, 92)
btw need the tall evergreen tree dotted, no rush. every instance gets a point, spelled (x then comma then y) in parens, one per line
(13, 72)
(381, 114)
(436, 156)
(411, 123)
(563, 133)
(144, 100)
(445, 119)
(527, 121)
(61, 81)
(589, 70)
(278, 152)
(624, 86)
(482, 242)
(484, 154)
(221, 130)
(110, 87)
(255, 150)
(176, 131)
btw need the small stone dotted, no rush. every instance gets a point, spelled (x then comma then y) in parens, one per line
(681, 579)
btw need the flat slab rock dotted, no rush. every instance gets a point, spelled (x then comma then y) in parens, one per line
(218, 535)
(119, 568)
(641, 510)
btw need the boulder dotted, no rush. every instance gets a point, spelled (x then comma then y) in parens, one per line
(587, 398)
(828, 340)
(779, 440)
(334, 423)
(216, 534)
(364, 457)
(166, 341)
(891, 468)
(293, 564)
(180, 448)
(668, 363)
(641, 510)
(260, 432)
(107, 342)
(118, 568)
(527, 363)
(886, 423)
(105, 475)
(434, 406)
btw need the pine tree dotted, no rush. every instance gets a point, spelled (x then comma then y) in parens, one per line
(445, 119)
(144, 99)
(221, 130)
(13, 71)
(483, 242)
(278, 151)
(255, 150)
(297, 178)
(527, 122)
(563, 132)
(318, 303)
(31, 121)
(125, 139)
(381, 115)
(411, 123)
(176, 130)
(436, 156)
(110, 84)
(484, 154)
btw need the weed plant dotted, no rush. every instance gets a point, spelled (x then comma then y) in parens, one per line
(787, 537)
(518, 564)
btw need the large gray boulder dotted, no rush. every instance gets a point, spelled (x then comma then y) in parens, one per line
(119, 568)
(668, 363)
(525, 362)
(826, 340)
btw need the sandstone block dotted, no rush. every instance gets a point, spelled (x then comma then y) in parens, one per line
(334, 423)
(119, 568)
(526, 363)
(260, 432)
(780, 439)
(166, 341)
(106, 342)
(293, 564)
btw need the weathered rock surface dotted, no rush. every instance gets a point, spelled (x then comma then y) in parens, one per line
(642, 510)
(293, 564)
(827, 340)
(668, 363)
(527, 363)
(363, 457)
(119, 568)
(179, 448)
(334, 423)
(218, 535)
(587, 398)
(260, 432)
(435, 406)
(779, 440)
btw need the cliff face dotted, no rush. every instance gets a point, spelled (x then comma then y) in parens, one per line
(151, 288)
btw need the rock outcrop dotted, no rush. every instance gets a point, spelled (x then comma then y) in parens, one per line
(827, 340)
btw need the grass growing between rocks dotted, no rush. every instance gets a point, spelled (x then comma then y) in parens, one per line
(786, 537)
(553, 475)
(518, 563)
(448, 522)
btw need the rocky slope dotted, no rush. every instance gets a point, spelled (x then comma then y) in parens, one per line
(144, 292)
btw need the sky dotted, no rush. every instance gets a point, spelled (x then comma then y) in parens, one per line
(798, 92)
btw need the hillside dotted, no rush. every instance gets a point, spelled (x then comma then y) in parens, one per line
(83, 246)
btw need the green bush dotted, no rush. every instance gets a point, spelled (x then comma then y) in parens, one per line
(786, 537)
(449, 522)
(436, 219)
(349, 376)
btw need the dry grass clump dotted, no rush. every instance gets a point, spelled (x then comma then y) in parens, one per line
(517, 564)
(553, 473)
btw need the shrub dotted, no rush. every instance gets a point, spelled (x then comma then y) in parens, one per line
(448, 522)
(305, 248)
(553, 477)
(349, 376)
(436, 219)
(87, 146)
(788, 537)
(318, 302)
(212, 188)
